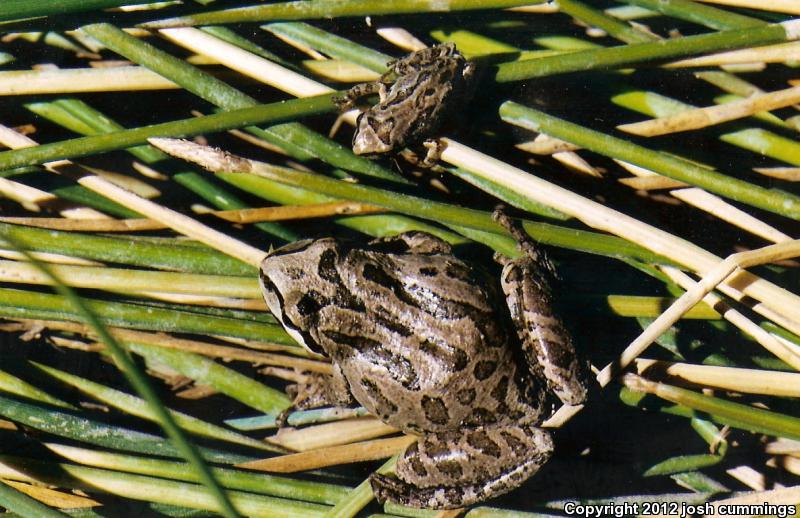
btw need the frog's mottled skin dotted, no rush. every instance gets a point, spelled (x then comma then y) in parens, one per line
(416, 95)
(425, 342)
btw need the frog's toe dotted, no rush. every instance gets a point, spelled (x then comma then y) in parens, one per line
(448, 497)
(452, 469)
(392, 489)
(282, 419)
(315, 390)
(435, 148)
(395, 490)
(343, 102)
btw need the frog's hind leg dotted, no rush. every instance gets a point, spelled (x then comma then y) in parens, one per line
(546, 343)
(421, 58)
(457, 468)
(526, 245)
(349, 99)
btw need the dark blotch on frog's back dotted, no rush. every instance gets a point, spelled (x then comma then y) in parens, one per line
(435, 410)
(466, 396)
(481, 441)
(484, 369)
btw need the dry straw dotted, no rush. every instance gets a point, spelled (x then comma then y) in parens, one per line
(593, 214)
(726, 275)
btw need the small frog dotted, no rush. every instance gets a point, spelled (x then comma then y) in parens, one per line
(427, 86)
(426, 343)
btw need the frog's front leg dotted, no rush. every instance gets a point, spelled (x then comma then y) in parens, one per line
(434, 149)
(358, 91)
(433, 152)
(457, 468)
(546, 343)
(317, 390)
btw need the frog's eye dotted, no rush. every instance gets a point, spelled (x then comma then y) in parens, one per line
(291, 248)
(326, 267)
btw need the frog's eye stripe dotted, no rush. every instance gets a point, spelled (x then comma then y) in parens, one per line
(358, 125)
(293, 329)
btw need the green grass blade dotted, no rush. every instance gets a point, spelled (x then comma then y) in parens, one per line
(284, 110)
(142, 385)
(166, 254)
(711, 434)
(152, 489)
(757, 140)
(18, 387)
(615, 28)
(699, 482)
(18, 502)
(17, 9)
(226, 34)
(261, 483)
(138, 407)
(294, 138)
(772, 200)
(319, 415)
(303, 10)
(695, 12)
(82, 118)
(627, 55)
(507, 195)
(97, 433)
(208, 372)
(681, 464)
(43, 306)
(335, 46)
(441, 212)
(134, 281)
(692, 404)
(359, 496)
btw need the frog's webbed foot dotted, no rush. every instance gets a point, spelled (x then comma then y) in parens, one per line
(349, 99)
(546, 343)
(317, 390)
(453, 469)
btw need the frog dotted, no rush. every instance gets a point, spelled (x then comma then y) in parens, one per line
(425, 341)
(417, 94)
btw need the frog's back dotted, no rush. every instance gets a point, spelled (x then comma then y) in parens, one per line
(429, 352)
